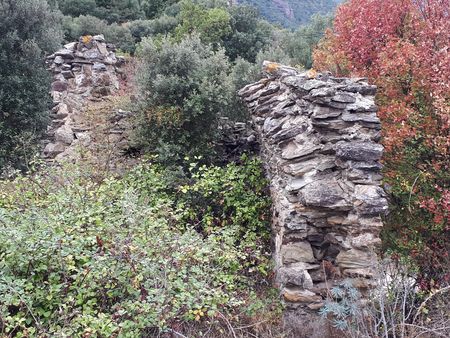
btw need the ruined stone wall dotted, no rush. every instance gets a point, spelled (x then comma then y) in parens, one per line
(319, 140)
(82, 71)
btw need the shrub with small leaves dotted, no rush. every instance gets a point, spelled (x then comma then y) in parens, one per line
(184, 88)
(131, 257)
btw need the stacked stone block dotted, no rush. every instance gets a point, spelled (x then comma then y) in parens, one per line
(319, 137)
(81, 70)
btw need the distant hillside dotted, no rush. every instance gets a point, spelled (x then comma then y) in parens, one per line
(292, 13)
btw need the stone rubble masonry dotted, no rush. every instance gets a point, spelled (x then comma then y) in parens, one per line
(82, 71)
(319, 137)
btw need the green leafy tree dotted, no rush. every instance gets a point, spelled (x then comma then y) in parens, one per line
(28, 29)
(77, 7)
(185, 88)
(109, 10)
(300, 44)
(118, 10)
(145, 28)
(212, 24)
(153, 8)
(249, 34)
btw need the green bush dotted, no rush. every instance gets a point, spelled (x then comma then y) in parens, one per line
(212, 24)
(153, 8)
(300, 44)
(28, 30)
(249, 33)
(110, 10)
(129, 257)
(76, 7)
(273, 53)
(184, 87)
(146, 28)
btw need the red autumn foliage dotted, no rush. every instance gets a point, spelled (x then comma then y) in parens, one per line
(403, 47)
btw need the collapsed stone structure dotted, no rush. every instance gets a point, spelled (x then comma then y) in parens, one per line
(319, 141)
(82, 70)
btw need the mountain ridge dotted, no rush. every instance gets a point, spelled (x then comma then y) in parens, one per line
(291, 13)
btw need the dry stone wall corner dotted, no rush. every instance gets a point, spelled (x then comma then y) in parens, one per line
(83, 70)
(319, 141)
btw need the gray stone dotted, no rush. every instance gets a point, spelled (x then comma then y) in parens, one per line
(297, 252)
(364, 117)
(313, 84)
(332, 124)
(323, 112)
(103, 51)
(370, 200)
(64, 134)
(250, 89)
(300, 182)
(62, 111)
(93, 54)
(66, 66)
(82, 80)
(362, 89)
(359, 151)
(344, 97)
(318, 140)
(322, 92)
(287, 133)
(67, 74)
(367, 240)
(326, 194)
(296, 225)
(355, 259)
(58, 60)
(72, 46)
(81, 61)
(269, 90)
(296, 274)
(99, 67)
(294, 150)
(99, 37)
(301, 168)
(53, 149)
(59, 86)
(65, 53)
(293, 80)
(363, 104)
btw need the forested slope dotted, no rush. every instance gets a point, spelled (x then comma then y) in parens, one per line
(291, 13)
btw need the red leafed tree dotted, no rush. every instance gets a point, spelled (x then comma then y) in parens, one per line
(403, 47)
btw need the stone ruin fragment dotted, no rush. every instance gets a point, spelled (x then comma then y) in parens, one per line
(82, 70)
(319, 137)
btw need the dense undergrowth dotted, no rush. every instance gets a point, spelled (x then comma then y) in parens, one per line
(135, 256)
(402, 47)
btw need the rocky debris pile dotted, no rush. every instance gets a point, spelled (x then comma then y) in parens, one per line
(236, 138)
(81, 70)
(319, 140)
(119, 125)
